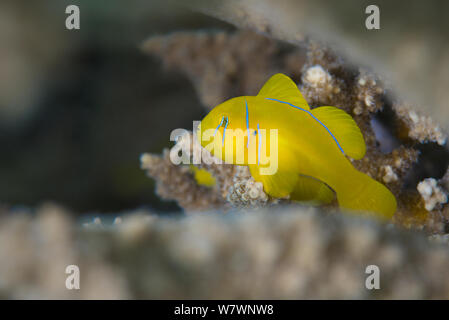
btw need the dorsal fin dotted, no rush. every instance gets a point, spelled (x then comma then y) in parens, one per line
(283, 88)
(344, 129)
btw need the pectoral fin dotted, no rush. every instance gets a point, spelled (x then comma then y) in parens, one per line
(308, 189)
(299, 187)
(283, 88)
(344, 129)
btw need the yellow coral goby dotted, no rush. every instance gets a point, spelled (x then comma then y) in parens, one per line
(312, 148)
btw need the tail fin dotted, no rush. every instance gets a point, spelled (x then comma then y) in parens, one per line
(364, 194)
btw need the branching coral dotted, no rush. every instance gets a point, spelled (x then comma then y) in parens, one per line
(234, 185)
(418, 127)
(177, 182)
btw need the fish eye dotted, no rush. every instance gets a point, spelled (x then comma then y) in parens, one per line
(255, 132)
(224, 121)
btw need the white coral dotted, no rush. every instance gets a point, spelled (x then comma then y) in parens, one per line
(431, 193)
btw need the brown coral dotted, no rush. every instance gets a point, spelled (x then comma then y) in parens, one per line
(418, 127)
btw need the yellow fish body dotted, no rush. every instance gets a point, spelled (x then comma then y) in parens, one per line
(312, 146)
